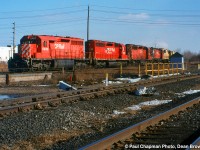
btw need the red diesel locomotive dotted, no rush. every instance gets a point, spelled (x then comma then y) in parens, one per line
(103, 50)
(51, 47)
(43, 52)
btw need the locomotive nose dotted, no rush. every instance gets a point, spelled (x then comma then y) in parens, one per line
(25, 50)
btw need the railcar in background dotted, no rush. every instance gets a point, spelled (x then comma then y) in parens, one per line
(157, 54)
(142, 53)
(99, 51)
(167, 54)
(137, 52)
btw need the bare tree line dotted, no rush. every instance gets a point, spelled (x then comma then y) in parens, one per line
(191, 56)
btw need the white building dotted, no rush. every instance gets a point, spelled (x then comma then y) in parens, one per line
(6, 53)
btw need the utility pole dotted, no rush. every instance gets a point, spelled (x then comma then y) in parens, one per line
(88, 19)
(13, 37)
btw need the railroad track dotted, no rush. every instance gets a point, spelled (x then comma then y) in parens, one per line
(42, 101)
(178, 128)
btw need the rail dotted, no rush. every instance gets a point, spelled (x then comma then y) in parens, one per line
(194, 145)
(107, 142)
(8, 107)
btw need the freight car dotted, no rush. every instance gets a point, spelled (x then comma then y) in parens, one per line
(41, 52)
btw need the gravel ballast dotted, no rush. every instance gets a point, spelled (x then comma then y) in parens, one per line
(74, 125)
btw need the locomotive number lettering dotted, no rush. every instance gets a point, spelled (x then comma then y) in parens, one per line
(109, 50)
(59, 46)
(45, 48)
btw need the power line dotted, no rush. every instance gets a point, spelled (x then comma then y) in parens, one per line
(30, 17)
(38, 10)
(144, 9)
(51, 23)
(63, 21)
(161, 15)
(102, 19)
(145, 22)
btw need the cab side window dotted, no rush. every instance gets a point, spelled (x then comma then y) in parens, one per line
(45, 44)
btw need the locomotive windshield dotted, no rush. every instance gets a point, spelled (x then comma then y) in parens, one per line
(28, 41)
(100, 44)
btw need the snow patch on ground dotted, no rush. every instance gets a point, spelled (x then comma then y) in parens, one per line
(148, 103)
(116, 112)
(140, 105)
(166, 75)
(2, 97)
(121, 80)
(187, 93)
(134, 107)
(129, 80)
(112, 82)
(41, 85)
(191, 91)
(155, 102)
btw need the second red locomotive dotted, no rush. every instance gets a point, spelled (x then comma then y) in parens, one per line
(103, 51)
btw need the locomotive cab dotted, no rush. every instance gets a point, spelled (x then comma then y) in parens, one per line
(29, 45)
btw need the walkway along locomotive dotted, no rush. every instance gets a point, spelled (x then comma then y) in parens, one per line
(42, 52)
